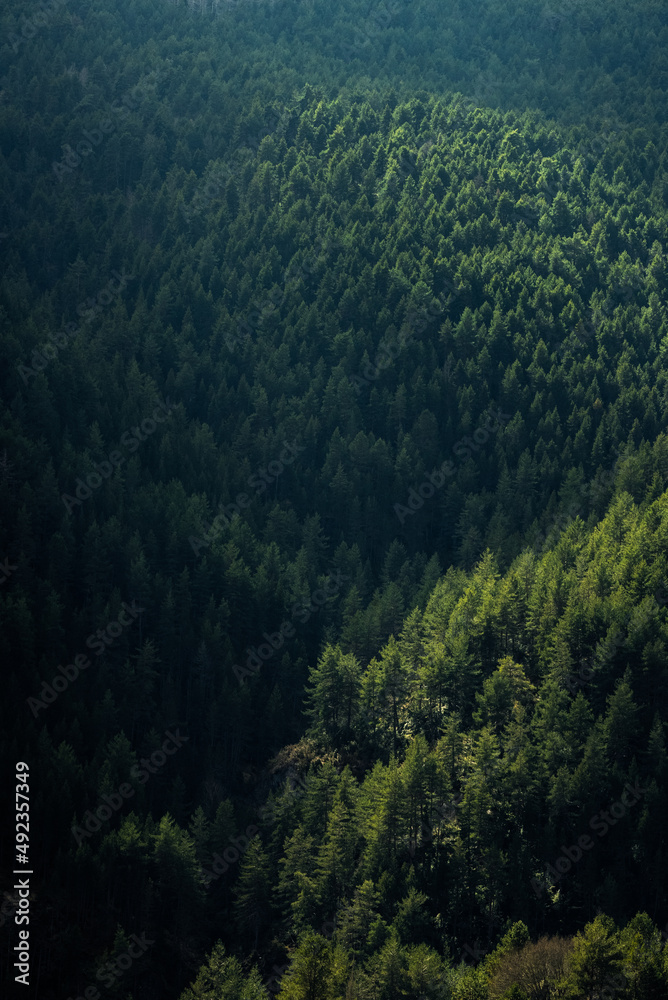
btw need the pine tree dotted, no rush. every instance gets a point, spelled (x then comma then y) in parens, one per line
(252, 890)
(308, 977)
(596, 958)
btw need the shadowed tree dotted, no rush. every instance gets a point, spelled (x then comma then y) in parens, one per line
(222, 978)
(252, 889)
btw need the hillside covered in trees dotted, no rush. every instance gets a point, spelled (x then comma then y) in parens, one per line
(334, 498)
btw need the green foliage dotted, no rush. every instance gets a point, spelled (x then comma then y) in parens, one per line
(222, 978)
(252, 890)
(596, 958)
(309, 975)
(401, 277)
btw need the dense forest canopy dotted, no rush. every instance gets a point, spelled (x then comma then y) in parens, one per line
(334, 498)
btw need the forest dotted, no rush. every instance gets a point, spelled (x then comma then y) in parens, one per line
(334, 500)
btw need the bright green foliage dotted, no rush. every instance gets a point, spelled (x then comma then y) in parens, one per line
(308, 977)
(596, 959)
(400, 545)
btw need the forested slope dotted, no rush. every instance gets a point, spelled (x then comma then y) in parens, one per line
(516, 729)
(332, 441)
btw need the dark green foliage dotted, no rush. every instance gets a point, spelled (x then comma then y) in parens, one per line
(354, 319)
